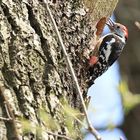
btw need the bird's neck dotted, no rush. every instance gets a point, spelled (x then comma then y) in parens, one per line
(121, 37)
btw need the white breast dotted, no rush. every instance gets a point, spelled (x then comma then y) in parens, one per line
(109, 46)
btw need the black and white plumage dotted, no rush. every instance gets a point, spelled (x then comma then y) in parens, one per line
(108, 49)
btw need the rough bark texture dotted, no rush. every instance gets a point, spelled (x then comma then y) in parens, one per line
(33, 70)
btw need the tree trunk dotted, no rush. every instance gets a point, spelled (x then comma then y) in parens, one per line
(35, 82)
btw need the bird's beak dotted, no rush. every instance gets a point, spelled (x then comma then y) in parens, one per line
(110, 23)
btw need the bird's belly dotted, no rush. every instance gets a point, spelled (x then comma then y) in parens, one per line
(98, 69)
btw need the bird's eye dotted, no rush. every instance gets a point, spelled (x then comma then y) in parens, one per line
(118, 27)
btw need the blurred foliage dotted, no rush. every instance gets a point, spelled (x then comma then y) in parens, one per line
(129, 99)
(69, 118)
(69, 111)
(111, 125)
(26, 125)
(48, 120)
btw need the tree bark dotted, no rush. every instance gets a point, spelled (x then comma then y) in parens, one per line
(34, 74)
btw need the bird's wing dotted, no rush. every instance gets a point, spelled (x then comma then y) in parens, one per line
(112, 46)
(116, 50)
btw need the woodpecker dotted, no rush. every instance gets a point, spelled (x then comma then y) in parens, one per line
(107, 49)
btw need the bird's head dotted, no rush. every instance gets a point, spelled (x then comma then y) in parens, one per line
(118, 29)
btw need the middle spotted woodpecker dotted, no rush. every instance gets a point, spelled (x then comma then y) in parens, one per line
(108, 49)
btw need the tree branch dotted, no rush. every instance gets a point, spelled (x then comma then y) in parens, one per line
(5, 119)
(58, 135)
(9, 111)
(137, 24)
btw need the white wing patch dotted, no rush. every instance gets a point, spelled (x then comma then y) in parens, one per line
(109, 46)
